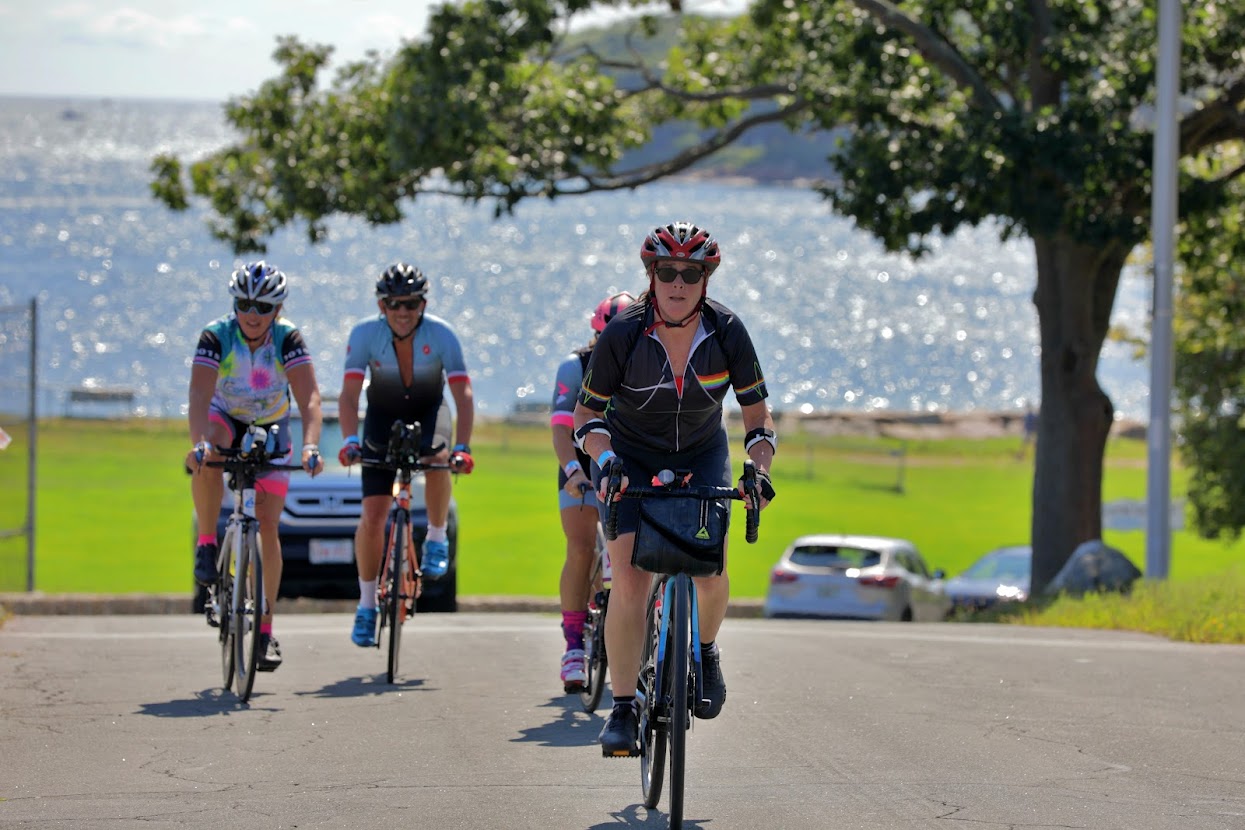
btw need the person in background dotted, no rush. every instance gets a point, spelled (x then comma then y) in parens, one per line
(576, 503)
(412, 356)
(245, 368)
(1029, 435)
(652, 400)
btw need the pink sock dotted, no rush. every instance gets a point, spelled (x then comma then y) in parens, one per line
(206, 539)
(265, 628)
(573, 628)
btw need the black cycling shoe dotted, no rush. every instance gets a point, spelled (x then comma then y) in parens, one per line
(269, 653)
(621, 736)
(713, 683)
(205, 564)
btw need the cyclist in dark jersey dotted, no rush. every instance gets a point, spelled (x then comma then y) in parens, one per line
(411, 356)
(245, 367)
(578, 511)
(652, 400)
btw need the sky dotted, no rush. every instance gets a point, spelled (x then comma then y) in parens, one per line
(204, 50)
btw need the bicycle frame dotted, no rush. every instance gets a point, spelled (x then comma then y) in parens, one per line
(240, 564)
(671, 681)
(401, 580)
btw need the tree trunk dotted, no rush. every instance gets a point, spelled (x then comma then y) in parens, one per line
(1076, 285)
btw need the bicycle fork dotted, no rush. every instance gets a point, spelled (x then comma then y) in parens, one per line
(666, 601)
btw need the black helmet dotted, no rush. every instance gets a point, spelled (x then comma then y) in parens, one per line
(402, 280)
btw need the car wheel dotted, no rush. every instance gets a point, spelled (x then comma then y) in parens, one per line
(906, 616)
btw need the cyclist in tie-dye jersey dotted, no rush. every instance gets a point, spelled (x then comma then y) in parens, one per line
(579, 510)
(412, 356)
(245, 368)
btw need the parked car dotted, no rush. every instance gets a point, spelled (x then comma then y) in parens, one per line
(855, 577)
(1002, 575)
(318, 524)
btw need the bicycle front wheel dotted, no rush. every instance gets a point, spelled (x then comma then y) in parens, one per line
(248, 607)
(224, 607)
(680, 710)
(396, 567)
(653, 722)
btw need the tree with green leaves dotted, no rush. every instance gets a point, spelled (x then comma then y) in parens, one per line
(1035, 114)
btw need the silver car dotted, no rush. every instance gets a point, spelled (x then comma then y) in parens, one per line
(855, 577)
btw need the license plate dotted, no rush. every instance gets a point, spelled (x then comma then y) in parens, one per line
(827, 591)
(331, 551)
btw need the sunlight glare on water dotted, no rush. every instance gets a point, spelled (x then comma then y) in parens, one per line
(125, 285)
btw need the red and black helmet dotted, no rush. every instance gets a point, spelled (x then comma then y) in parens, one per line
(607, 308)
(682, 242)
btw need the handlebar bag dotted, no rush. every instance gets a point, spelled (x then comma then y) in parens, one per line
(681, 536)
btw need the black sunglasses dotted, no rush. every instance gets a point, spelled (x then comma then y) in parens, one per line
(409, 305)
(247, 306)
(691, 275)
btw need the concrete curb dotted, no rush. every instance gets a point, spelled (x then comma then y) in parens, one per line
(41, 605)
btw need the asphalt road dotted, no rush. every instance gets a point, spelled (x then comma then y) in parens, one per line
(119, 721)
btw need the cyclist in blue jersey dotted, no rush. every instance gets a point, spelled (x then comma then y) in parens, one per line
(651, 399)
(579, 515)
(412, 356)
(245, 368)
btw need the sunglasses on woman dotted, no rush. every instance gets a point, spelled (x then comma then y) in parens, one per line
(409, 305)
(691, 274)
(253, 306)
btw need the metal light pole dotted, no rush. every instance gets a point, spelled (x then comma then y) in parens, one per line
(1163, 232)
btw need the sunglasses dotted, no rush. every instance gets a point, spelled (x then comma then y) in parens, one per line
(409, 305)
(691, 275)
(249, 306)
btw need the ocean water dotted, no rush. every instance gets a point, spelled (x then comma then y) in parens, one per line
(124, 285)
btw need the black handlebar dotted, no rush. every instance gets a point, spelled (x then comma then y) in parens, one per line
(750, 496)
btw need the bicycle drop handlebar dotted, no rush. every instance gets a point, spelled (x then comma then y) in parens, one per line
(750, 496)
(254, 454)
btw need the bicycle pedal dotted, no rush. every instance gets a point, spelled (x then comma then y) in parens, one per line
(621, 753)
(574, 688)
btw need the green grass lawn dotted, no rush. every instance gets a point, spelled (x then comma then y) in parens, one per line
(114, 507)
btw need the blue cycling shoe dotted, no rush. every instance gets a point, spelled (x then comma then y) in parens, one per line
(436, 559)
(364, 633)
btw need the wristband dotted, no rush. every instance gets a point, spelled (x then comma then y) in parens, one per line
(461, 448)
(604, 458)
(760, 434)
(352, 439)
(572, 467)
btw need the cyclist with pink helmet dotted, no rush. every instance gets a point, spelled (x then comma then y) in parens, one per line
(651, 400)
(578, 509)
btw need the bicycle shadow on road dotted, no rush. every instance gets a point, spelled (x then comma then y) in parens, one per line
(366, 687)
(207, 703)
(571, 725)
(637, 815)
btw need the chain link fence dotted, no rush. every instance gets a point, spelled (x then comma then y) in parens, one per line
(18, 437)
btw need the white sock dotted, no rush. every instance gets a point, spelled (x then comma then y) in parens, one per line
(437, 534)
(367, 593)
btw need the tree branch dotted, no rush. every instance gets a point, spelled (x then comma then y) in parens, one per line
(635, 177)
(935, 49)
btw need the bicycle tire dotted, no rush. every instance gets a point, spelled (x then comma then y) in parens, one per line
(396, 553)
(596, 661)
(224, 607)
(248, 605)
(652, 728)
(680, 709)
